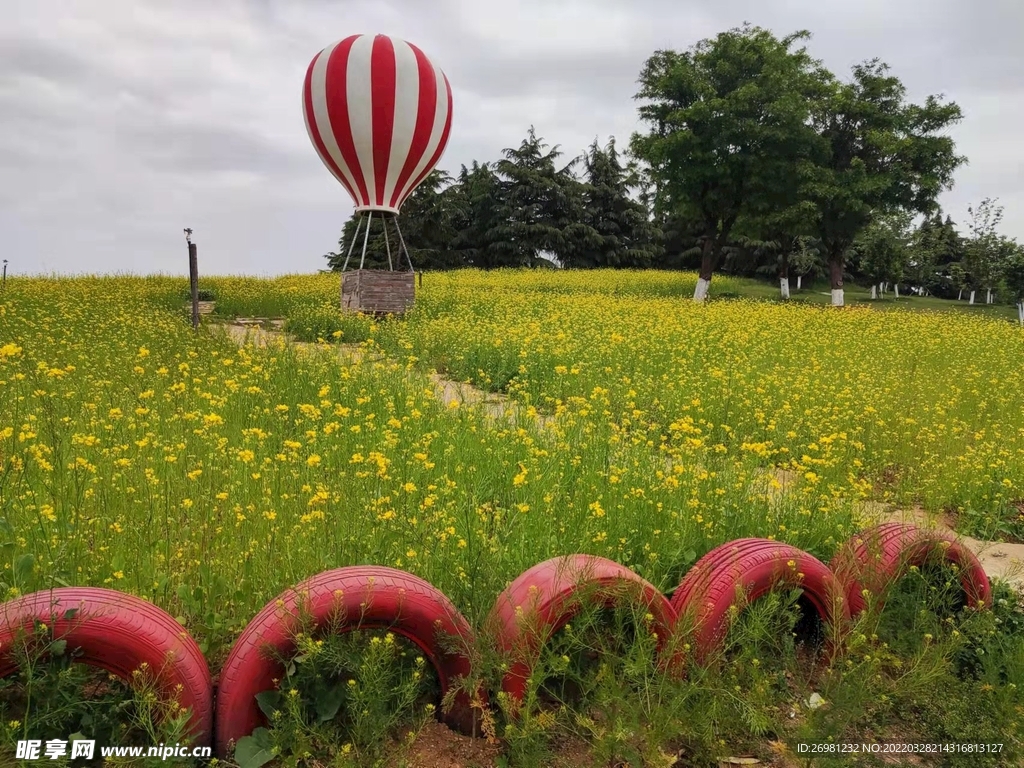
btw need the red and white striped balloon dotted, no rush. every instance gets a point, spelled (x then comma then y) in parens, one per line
(379, 114)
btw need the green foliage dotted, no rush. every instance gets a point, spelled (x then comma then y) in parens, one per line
(881, 251)
(479, 196)
(1013, 273)
(598, 682)
(205, 294)
(936, 253)
(540, 208)
(877, 154)
(987, 254)
(326, 322)
(343, 698)
(728, 127)
(428, 221)
(625, 236)
(51, 696)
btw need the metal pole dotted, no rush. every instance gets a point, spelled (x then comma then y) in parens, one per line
(402, 241)
(193, 277)
(387, 244)
(352, 245)
(366, 237)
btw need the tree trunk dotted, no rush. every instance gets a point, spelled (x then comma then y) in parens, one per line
(988, 297)
(835, 270)
(874, 291)
(799, 280)
(707, 268)
(897, 287)
(1020, 313)
(972, 298)
(960, 295)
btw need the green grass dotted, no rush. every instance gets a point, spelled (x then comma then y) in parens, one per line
(855, 295)
(140, 456)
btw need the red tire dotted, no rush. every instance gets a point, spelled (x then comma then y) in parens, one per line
(751, 567)
(373, 598)
(549, 595)
(118, 633)
(875, 559)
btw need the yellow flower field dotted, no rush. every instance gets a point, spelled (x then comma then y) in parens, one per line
(909, 407)
(207, 478)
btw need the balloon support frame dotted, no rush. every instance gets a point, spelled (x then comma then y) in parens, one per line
(378, 291)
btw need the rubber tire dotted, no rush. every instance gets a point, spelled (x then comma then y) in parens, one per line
(880, 556)
(118, 633)
(523, 620)
(757, 567)
(374, 597)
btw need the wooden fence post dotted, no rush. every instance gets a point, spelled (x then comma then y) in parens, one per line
(193, 278)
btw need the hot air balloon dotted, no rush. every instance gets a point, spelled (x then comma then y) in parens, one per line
(379, 114)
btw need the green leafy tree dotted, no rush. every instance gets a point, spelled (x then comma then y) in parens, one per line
(625, 235)
(880, 154)
(725, 118)
(881, 251)
(480, 211)
(936, 253)
(541, 207)
(354, 232)
(776, 233)
(986, 251)
(1013, 275)
(807, 260)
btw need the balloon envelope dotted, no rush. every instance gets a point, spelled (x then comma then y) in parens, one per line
(379, 114)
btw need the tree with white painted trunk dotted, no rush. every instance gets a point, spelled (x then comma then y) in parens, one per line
(986, 252)
(772, 256)
(1013, 277)
(878, 154)
(882, 249)
(776, 226)
(806, 259)
(726, 119)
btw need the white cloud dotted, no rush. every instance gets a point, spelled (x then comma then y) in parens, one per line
(126, 120)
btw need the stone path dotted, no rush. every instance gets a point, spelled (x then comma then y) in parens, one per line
(494, 406)
(1000, 560)
(1004, 561)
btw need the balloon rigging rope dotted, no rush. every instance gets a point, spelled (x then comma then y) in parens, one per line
(387, 243)
(404, 248)
(352, 245)
(366, 238)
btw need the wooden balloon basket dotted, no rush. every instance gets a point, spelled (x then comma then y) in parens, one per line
(378, 291)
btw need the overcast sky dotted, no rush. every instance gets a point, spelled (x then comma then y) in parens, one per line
(123, 121)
